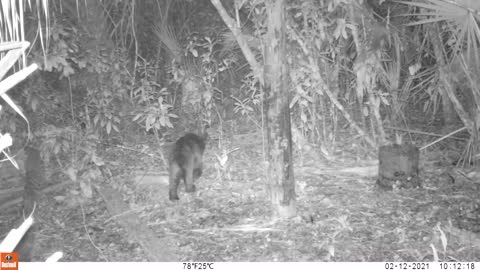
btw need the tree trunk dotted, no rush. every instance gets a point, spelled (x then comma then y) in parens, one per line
(281, 182)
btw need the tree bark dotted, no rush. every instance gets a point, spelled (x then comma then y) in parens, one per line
(281, 182)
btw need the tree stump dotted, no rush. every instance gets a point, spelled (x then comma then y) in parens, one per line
(398, 167)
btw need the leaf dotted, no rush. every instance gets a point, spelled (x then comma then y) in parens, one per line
(86, 189)
(59, 198)
(98, 160)
(109, 127)
(443, 238)
(67, 71)
(413, 69)
(95, 119)
(309, 98)
(303, 116)
(56, 149)
(294, 101)
(330, 6)
(149, 122)
(365, 111)
(340, 29)
(71, 172)
(194, 52)
(384, 100)
(34, 104)
(435, 253)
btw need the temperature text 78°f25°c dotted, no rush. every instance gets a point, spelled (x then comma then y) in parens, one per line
(198, 266)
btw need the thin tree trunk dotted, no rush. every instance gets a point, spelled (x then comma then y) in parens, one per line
(281, 182)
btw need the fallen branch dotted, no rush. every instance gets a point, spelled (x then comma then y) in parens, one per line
(425, 133)
(443, 138)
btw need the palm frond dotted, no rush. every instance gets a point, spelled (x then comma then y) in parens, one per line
(167, 37)
(461, 18)
(12, 25)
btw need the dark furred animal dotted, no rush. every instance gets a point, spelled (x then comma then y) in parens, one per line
(185, 163)
(34, 180)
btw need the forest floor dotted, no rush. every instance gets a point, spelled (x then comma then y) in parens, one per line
(342, 215)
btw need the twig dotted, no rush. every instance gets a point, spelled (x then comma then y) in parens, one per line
(424, 133)
(130, 149)
(88, 234)
(126, 213)
(442, 138)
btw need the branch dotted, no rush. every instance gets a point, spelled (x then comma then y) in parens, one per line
(237, 33)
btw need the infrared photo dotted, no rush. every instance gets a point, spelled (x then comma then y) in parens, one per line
(240, 131)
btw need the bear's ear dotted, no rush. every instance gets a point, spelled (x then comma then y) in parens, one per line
(204, 132)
